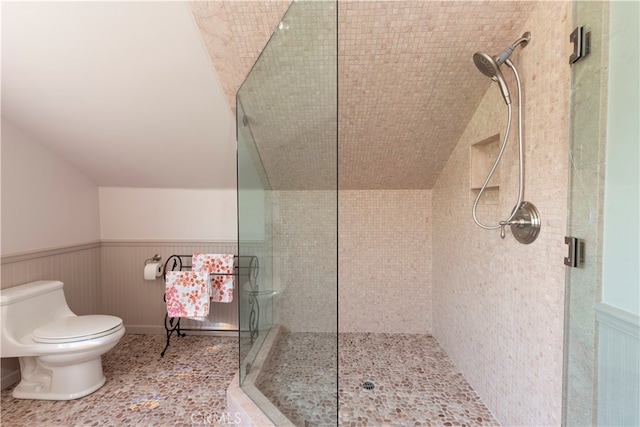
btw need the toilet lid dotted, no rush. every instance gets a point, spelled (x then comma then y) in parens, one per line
(77, 328)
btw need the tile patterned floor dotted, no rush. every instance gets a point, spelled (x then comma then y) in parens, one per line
(415, 385)
(300, 378)
(187, 387)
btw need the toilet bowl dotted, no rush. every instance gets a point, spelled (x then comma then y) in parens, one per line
(59, 351)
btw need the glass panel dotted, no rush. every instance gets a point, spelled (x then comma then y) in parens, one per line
(255, 246)
(287, 213)
(602, 371)
(586, 176)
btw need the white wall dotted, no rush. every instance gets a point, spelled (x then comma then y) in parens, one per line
(622, 180)
(46, 202)
(167, 214)
(127, 92)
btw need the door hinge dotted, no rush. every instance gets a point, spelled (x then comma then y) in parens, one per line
(581, 40)
(575, 257)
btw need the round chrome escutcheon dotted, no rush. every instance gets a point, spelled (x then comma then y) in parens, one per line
(525, 225)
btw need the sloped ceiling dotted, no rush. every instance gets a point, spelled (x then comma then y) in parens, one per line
(125, 91)
(406, 84)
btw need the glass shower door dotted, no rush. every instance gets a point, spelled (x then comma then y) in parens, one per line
(288, 214)
(582, 292)
(601, 384)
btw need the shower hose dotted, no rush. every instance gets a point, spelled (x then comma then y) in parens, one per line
(507, 221)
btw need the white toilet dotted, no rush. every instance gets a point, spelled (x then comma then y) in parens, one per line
(59, 352)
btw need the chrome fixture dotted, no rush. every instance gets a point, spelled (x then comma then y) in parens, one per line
(525, 225)
(524, 219)
(490, 65)
(581, 40)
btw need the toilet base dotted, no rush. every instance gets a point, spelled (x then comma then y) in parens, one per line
(46, 381)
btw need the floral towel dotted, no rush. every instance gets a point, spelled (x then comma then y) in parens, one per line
(220, 267)
(187, 294)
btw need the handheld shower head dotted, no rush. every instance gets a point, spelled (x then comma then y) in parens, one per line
(490, 65)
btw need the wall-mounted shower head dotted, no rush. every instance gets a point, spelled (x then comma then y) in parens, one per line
(490, 65)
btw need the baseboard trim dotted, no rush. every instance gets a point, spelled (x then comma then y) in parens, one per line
(159, 330)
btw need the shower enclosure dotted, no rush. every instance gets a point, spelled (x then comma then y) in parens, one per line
(287, 216)
(602, 345)
(504, 330)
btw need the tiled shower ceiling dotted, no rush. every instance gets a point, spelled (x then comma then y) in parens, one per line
(407, 83)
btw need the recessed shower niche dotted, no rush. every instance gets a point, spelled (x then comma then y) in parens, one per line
(483, 154)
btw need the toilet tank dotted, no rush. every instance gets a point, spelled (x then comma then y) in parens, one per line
(29, 306)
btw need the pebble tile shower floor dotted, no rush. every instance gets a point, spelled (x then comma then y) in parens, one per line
(415, 385)
(415, 382)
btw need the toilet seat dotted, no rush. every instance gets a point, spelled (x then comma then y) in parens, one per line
(76, 328)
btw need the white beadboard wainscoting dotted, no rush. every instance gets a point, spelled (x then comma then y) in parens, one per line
(618, 366)
(77, 266)
(106, 277)
(138, 302)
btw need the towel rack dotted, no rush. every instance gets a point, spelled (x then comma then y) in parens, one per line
(245, 266)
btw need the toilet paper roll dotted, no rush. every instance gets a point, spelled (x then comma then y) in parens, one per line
(152, 270)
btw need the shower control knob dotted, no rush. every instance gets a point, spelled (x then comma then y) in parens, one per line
(525, 225)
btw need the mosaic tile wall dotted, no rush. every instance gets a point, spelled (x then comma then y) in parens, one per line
(499, 312)
(306, 257)
(407, 84)
(385, 261)
(398, 61)
(290, 100)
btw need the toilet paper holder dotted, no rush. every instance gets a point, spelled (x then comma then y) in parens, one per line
(155, 258)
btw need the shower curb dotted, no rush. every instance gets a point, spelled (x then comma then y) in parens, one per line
(247, 404)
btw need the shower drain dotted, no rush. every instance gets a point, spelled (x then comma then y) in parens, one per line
(368, 385)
